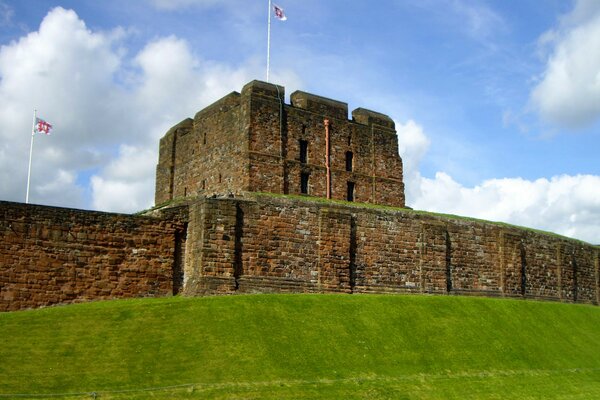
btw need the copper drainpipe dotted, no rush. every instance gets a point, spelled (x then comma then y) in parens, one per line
(326, 122)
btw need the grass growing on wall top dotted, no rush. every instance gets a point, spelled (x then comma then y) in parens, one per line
(323, 200)
(304, 346)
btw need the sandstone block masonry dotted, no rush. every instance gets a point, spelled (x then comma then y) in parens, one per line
(54, 255)
(255, 142)
(226, 237)
(270, 243)
(281, 244)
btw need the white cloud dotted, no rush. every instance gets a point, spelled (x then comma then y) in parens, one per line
(105, 132)
(568, 205)
(127, 182)
(412, 146)
(62, 70)
(173, 85)
(583, 10)
(569, 91)
(118, 196)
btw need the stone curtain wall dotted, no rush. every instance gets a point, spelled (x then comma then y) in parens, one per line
(54, 255)
(278, 244)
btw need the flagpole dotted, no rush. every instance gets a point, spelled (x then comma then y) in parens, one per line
(268, 40)
(30, 154)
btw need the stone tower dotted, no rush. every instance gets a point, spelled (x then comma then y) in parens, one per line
(255, 142)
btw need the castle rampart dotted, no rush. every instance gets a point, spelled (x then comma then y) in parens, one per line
(271, 243)
(279, 244)
(52, 255)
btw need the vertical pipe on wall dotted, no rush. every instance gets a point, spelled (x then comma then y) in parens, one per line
(283, 139)
(373, 189)
(327, 157)
(172, 167)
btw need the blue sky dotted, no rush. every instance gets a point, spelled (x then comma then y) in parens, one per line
(497, 103)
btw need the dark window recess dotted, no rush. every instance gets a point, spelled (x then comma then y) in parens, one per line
(203, 184)
(349, 160)
(304, 183)
(350, 192)
(349, 140)
(184, 191)
(303, 151)
(204, 139)
(178, 277)
(220, 178)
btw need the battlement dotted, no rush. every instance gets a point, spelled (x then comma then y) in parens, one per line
(222, 105)
(265, 89)
(319, 105)
(253, 141)
(368, 117)
(313, 103)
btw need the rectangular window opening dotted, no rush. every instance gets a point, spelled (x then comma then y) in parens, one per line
(304, 183)
(303, 151)
(350, 192)
(349, 160)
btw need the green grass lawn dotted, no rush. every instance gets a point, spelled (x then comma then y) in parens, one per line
(303, 347)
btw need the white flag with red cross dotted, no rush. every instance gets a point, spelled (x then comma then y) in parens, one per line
(42, 126)
(279, 12)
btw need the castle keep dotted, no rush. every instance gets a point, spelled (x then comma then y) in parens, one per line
(242, 207)
(254, 142)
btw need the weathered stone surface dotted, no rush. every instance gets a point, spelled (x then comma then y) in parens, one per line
(52, 255)
(272, 244)
(214, 242)
(250, 142)
(264, 244)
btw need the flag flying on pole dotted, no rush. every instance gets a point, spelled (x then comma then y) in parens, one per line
(279, 12)
(42, 126)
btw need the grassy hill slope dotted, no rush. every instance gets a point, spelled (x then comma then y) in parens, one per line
(304, 346)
